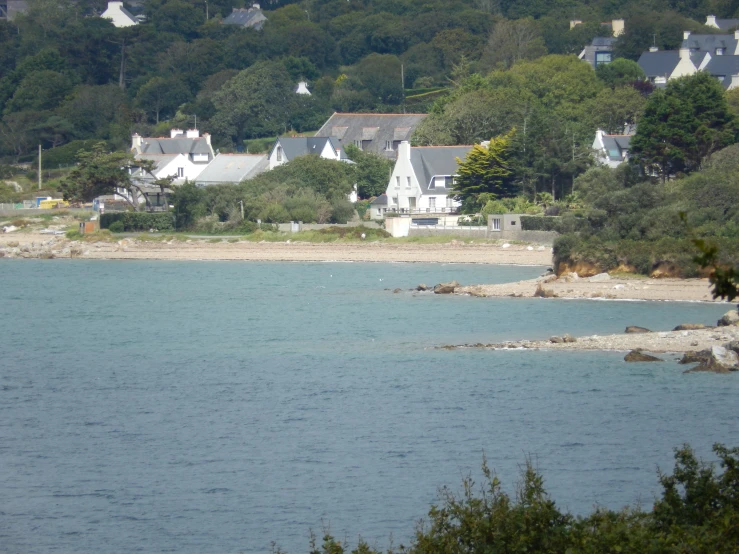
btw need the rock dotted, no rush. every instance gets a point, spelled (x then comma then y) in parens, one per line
(569, 338)
(635, 329)
(720, 360)
(689, 327)
(639, 356)
(730, 318)
(569, 277)
(396, 291)
(556, 340)
(695, 357)
(445, 288)
(422, 287)
(733, 345)
(599, 277)
(541, 292)
(506, 245)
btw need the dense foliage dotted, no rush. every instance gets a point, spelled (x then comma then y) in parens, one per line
(67, 75)
(698, 511)
(137, 221)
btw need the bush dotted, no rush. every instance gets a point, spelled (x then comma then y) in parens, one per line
(561, 225)
(116, 227)
(139, 221)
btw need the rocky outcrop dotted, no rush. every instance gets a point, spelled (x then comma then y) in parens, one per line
(635, 329)
(730, 318)
(718, 360)
(689, 327)
(422, 288)
(639, 356)
(541, 292)
(446, 288)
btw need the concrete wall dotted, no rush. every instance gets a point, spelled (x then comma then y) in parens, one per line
(539, 237)
(297, 226)
(20, 214)
(431, 231)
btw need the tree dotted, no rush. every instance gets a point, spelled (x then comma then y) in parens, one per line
(381, 75)
(619, 72)
(485, 170)
(372, 171)
(160, 96)
(512, 41)
(683, 126)
(100, 172)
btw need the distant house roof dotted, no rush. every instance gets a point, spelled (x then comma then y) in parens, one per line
(380, 200)
(430, 161)
(617, 146)
(659, 64)
(177, 145)
(375, 132)
(294, 147)
(599, 44)
(709, 43)
(246, 17)
(723, 67)
(723, 24)
(10, 8)
(232, 168)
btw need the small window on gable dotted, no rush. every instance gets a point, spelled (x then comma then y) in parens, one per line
(397, 181)
(408, 182)
(279, 153)
(180, 172)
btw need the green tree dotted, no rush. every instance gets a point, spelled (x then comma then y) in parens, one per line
(512, 41)
(381, 76)
(372, 171)
(161, 97)
(619, 72)
(486, 169)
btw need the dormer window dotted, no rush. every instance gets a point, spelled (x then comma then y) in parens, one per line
(388, 145)
(719, 51)
(358, 144)
(279, 153)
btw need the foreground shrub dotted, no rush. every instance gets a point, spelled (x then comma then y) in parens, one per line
(138, 221)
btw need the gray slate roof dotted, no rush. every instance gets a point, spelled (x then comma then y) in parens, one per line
(246, 17)
(709, 43)
(378, 129)
(659, 64)
(178, 145)
(160, 161)
(380, 200)
(617, 146)
(430, 161)
(723, 67)
(726, 24)
(128, 14)
(294, 147)
(232, 168)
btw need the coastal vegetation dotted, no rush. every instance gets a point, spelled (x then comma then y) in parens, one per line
(697, 511)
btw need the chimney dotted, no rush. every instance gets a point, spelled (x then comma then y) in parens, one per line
(136, 142)
(686, 35)
(617, 25)
(192, 133)
(653, 49)
(404, 150)
(711, 21)
(256, 6)
(734, 82)
(684, 53)
(574, 23)
(736, 34)
(174, 133)
(206, 136)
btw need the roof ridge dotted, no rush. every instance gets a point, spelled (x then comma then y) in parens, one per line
(366, 114)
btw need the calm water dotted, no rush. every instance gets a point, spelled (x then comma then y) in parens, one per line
(216, 407)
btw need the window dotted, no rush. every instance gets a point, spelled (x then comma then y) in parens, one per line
(358, 144)
(432, 202)
(603, 58)
(279, 153)
(397, 181)
(407, 182)
(180, 172)
(388, 145)
(719, 51)
(496, 224)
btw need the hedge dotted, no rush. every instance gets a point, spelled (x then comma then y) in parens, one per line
(139, 221)
(561, 225)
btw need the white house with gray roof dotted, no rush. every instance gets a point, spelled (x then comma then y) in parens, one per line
(184, 155)
(423, 177)
(246, 17)
(286, 149)
(723, 24)
(378, 133)
(611, 150)
(232, 169)
(118, 15)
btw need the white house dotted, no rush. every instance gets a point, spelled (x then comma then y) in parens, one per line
(422, 179)
(611, 150)
(119, 15)
(303, 89)
(289, 148)
(184, 155)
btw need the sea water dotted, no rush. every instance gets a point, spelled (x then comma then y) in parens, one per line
(216, 407)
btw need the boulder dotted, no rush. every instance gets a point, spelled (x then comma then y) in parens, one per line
(635, 329)
(730, 318)
(556, 340)
(733, 345)
(396, 291)
(568, 338)
(639, 356)
(695, 357)
(689, 327)
(541, 292)
(445, 288)
(599, 278)
(422, 287)
(720, 360)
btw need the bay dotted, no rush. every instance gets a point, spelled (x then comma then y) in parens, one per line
(216, 406)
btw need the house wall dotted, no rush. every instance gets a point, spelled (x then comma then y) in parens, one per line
(684, 67)
(191, 170)
(401, 172)
(118, 18)
(273, 161)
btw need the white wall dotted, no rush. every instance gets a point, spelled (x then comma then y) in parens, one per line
(115, 14)
(401, 172)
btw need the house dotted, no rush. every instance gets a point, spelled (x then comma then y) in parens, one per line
(119, 15)
(422, 179)
(611, 150)
(662, 65)
(715, 45)
(377, 133)
(378, 207)
(600, 50)
(286, 149)
(723, 24)
(726, 70)
(10, 8)
(232, 168)
(302, 89)
(184, 155)
(246, 17)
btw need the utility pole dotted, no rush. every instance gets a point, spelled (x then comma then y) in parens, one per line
(242, 208)
(206, 11)
(402, 83)
(39, 167)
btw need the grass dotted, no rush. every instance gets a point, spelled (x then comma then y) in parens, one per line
(98, 236)
(148, 237)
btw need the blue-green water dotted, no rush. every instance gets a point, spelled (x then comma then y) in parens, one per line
(215, 407)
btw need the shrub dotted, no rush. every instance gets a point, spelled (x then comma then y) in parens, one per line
(116, 227)
(139, 221)
(561, 225)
